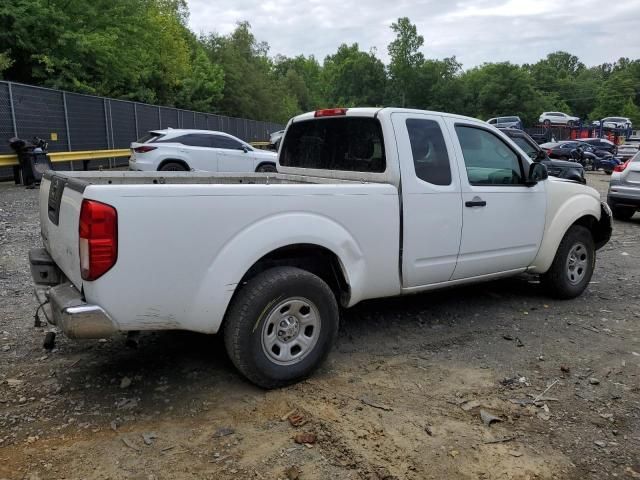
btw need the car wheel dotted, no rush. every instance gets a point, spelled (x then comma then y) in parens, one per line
(623, 213)
(267, 168)
(570, 123)
(546, 123)
(573, 265)
(173, 167)
(281, 326)
(608, 172)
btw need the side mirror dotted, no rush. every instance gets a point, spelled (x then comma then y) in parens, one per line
(537, 173)
(244, 148)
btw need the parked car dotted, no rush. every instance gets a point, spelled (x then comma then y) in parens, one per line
(629, 148)
(624, 189)
(557, 168)
(274, 139)
(564, 148)
(558, 118)
(614, 122)
(506, 122)
(198, 150)
(591, 158)
(602, 144)
(368, 203)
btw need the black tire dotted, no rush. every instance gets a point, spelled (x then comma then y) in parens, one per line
(557, 280)
(570, 123)
(173, 167)
(608, 172)
(250, 314)
(267, 168)
(546, 123)
(623, 213)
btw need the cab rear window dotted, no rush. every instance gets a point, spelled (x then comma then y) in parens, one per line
(343, 143)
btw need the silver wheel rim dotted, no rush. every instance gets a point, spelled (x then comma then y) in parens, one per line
(577, 263)
(291, 331)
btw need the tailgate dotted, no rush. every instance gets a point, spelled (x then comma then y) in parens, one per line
(59, 218)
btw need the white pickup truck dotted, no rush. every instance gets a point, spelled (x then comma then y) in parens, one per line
(368, 203)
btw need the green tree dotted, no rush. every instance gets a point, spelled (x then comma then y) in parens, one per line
(353, 78)
(405, 59)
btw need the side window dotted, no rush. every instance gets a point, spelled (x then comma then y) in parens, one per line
(488, 160)
(219, 141)
(493, 121)
(430, 157)
(195, 140)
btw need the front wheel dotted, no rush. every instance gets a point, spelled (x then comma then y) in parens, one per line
(546, 123)
(573, 265)
(281, 326)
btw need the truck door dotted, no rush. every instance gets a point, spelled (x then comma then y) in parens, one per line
(503, 219)
(431, 199)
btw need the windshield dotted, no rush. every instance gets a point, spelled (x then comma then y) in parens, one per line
(529, 149)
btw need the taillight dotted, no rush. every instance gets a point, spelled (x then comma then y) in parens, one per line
(331, 112)
(144, 149)
(98, 239)
(620, 168)
(549, 151)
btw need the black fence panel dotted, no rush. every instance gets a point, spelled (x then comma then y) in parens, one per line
(87, 122)
(123, 124)
(169, 118)
(186, 119)
(213, 122)
(6, 121)
(40, 113)
(148, 118)
(201, 121)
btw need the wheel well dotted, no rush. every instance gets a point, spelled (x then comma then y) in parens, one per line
(313, 258)
(173, 160)
(261, 164)
(598, 231)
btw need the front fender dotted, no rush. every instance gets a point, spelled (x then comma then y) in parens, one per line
(243, 250)
(558, 222)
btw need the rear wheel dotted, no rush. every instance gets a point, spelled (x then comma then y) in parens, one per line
(266, 168)
(623, 213)
(570, 123)
(573, 265)
(546, 123)
(281, 326)
(173, 167)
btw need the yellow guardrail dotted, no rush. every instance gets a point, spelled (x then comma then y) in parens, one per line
(10, 160)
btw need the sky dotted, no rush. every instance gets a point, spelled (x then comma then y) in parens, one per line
(475, 31)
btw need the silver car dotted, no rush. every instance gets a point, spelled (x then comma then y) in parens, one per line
(506, 122)
(624, 189)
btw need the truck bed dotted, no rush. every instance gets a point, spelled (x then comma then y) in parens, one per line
(186, 239)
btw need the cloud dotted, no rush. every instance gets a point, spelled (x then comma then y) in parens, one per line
(475, 31)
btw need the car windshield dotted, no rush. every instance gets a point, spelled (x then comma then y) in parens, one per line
(526, 146)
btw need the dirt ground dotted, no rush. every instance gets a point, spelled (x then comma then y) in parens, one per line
(400, 396)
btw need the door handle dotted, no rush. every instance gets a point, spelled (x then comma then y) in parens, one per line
(476, 202)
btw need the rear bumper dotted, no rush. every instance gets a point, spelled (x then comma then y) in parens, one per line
(616, 199)
(65, 306)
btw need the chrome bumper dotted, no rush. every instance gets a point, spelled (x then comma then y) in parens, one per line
(66, 308)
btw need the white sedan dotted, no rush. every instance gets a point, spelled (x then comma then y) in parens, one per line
(198, 150)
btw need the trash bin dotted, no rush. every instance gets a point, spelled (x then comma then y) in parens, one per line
(33, 160)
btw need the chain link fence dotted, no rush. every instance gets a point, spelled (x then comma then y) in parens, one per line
(72, 121)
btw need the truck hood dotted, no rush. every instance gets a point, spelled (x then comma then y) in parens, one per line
(569, 187)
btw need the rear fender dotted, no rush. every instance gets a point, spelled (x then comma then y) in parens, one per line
(255, 241)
